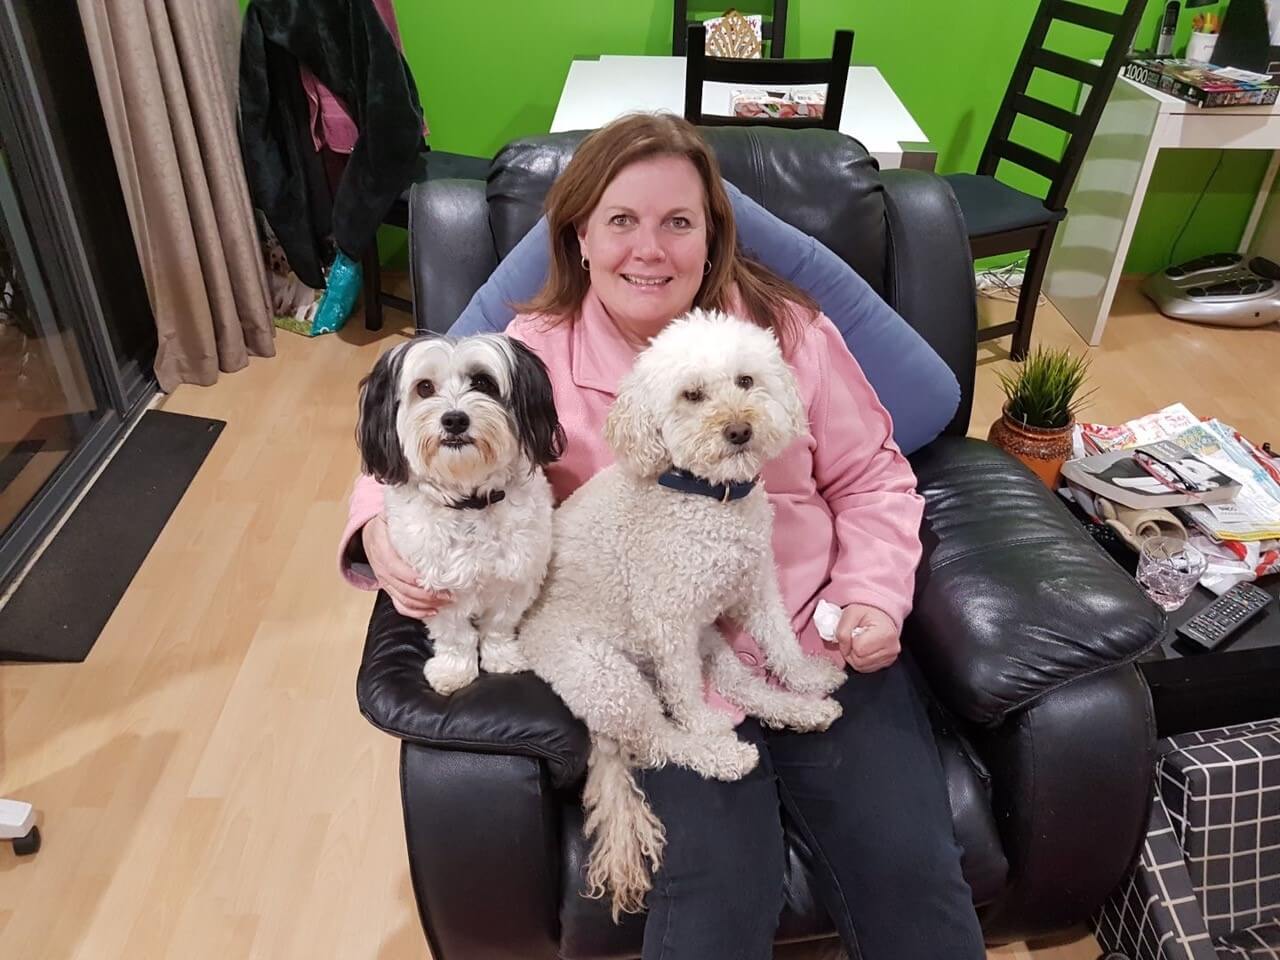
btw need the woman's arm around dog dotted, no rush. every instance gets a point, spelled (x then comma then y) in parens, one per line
(368, 561)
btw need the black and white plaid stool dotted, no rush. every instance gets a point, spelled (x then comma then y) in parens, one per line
(1207, 886)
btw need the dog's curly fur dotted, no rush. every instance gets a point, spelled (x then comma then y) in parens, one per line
(624, 628)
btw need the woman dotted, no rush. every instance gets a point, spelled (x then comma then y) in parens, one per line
(641, 231)
(912, 382)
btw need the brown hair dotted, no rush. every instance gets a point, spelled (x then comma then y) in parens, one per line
(767, 299)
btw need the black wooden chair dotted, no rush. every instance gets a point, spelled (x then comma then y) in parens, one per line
(773, 29)
(1001, 219)
(440, 166)
(701, 69)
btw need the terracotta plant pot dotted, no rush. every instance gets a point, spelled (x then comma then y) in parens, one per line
(1042, 449)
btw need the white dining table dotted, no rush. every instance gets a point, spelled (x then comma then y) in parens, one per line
(598, 91)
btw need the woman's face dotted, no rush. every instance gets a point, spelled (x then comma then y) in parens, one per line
(646, 244)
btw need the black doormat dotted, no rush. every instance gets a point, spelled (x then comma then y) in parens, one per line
(65, 600)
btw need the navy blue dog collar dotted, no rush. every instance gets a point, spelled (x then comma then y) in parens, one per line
(686, 482)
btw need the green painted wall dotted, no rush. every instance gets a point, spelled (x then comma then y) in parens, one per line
(493, 71)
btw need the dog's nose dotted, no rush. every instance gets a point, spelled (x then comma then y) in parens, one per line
(738, 433)
(455, 422)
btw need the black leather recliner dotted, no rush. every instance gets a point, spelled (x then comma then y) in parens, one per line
(1025, 632)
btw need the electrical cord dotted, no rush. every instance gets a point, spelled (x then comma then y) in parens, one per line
(1195, 206)
(1005, 283)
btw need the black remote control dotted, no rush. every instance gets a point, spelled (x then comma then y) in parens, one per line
(1210, 628)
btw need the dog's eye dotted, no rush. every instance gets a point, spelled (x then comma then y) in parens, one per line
(745, 382)
(694, 396)
(426, 389)
(483, 383)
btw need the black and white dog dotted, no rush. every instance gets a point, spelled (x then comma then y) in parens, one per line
(459, 431)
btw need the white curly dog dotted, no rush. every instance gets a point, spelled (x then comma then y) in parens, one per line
(647, 556)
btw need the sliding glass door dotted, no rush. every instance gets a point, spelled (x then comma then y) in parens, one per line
(47, 399)
(77, 338)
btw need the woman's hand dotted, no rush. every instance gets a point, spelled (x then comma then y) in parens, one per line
(397, 577)
(868, 638)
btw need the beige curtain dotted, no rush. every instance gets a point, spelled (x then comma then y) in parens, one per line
(167, 77)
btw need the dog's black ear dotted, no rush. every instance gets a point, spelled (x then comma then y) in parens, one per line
(533, 406)
(376, 434)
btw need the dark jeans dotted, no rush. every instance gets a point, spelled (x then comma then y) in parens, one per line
(870, 799)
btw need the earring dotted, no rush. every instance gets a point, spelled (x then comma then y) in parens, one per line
(706, 268)
(585, 265)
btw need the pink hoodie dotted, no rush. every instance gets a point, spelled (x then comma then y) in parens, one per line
(846, 515)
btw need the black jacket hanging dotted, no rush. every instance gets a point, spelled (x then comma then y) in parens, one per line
(348, 47)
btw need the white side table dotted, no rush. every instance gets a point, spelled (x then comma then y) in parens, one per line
(1138, 122)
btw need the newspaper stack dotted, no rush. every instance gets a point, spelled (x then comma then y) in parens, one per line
(1242, 537)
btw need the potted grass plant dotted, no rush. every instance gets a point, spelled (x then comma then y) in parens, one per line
(1042, 396)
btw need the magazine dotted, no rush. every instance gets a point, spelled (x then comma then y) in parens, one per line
(1161, 474)
(1253, 516)
(1164, 424)
(1241, 538)
(1255, 513)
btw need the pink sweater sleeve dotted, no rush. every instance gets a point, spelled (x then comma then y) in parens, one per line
(366, 503)
(868, 485)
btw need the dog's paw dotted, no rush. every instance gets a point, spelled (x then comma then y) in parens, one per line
(502, 655)
(447, 674)
(724, 758)
(711, 721)
(818, 715)
(735, 760)
(814, 675)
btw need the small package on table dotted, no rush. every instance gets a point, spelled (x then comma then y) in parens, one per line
(778, 104)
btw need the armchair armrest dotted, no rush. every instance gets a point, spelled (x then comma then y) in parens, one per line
(1014, 600)
(511, 714)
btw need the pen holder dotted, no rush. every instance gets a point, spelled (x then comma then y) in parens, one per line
(1200, 46)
